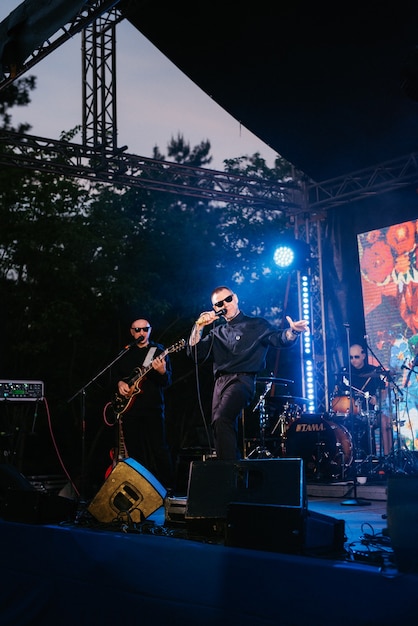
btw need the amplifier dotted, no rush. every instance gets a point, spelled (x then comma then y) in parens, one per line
(175, 509)
(21, 390)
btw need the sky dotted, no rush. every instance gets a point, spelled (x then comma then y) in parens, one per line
(155, 101)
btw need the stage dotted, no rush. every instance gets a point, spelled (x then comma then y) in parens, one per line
(171, 571)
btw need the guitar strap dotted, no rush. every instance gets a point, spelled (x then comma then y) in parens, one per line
(149, 357)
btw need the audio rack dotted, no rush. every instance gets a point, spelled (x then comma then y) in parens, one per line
(21, 390)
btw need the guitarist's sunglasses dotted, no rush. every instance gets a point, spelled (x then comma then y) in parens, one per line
(138, 330)
(221, 302)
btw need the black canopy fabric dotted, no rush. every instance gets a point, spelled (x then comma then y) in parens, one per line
(331, 88)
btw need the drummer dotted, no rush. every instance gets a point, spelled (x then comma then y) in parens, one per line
(367, 387)
(365, 381)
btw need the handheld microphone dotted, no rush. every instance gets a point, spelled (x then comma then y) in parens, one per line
(217, 313)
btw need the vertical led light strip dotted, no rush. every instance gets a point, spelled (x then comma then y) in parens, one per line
(307, 352)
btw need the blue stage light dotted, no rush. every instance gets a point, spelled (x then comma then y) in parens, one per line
(291, 255)
(284, 256)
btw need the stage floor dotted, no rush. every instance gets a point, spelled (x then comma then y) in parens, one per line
(159, 571)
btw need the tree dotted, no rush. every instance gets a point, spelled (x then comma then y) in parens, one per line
(249, 234)
(17, 94)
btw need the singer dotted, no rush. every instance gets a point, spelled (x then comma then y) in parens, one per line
(238, 350)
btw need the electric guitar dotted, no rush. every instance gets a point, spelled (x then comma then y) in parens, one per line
(120, 403)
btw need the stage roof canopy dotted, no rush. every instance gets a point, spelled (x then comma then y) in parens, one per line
(331, 88)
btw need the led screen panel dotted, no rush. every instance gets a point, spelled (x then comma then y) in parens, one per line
(389, 278)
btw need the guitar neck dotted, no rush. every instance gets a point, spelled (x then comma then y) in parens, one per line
(122, 451)
(143, 371)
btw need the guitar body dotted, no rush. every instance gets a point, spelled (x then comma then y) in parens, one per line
(109, 470)
(121, 404)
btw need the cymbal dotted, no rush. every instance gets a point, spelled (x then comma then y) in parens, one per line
(271, 379)
(376, 374)
(291, 399)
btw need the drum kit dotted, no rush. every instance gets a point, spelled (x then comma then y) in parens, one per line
(328, 443)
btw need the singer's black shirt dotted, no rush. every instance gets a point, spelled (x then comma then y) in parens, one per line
(240, 345)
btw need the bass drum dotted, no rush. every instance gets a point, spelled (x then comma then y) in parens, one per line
(325, 447)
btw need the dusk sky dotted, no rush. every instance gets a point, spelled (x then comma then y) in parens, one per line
(155, 101)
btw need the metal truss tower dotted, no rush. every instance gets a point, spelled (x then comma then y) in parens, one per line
(99, 82)
(309, 228)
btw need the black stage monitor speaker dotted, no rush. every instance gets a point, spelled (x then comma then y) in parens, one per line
(269, 527)
(11, 478)
(277, 528)
(402, 516)
(21, 502)
(129, 491)
(34, 507)
(214, 484)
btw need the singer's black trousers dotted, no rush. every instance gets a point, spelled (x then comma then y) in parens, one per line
(231, 395)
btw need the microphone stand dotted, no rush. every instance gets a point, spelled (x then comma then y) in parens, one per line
(410, 372)
(404, 457)
(261, 451)
(82, 392)
(354, 501)
(398, 394)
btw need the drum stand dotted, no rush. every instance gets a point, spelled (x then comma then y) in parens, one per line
(354, 501)
(261, 452)
(399, 460)
(402, 459)
(281, 425)
(368, 461)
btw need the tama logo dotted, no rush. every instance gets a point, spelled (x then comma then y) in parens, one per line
(309, 428)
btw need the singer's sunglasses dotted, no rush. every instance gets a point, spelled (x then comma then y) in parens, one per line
(354, 356)
(221, 302)
(138, 330)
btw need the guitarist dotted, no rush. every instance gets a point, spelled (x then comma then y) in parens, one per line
(143, 421)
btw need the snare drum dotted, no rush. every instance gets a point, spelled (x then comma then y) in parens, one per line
(341, 405)
(326, 447)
